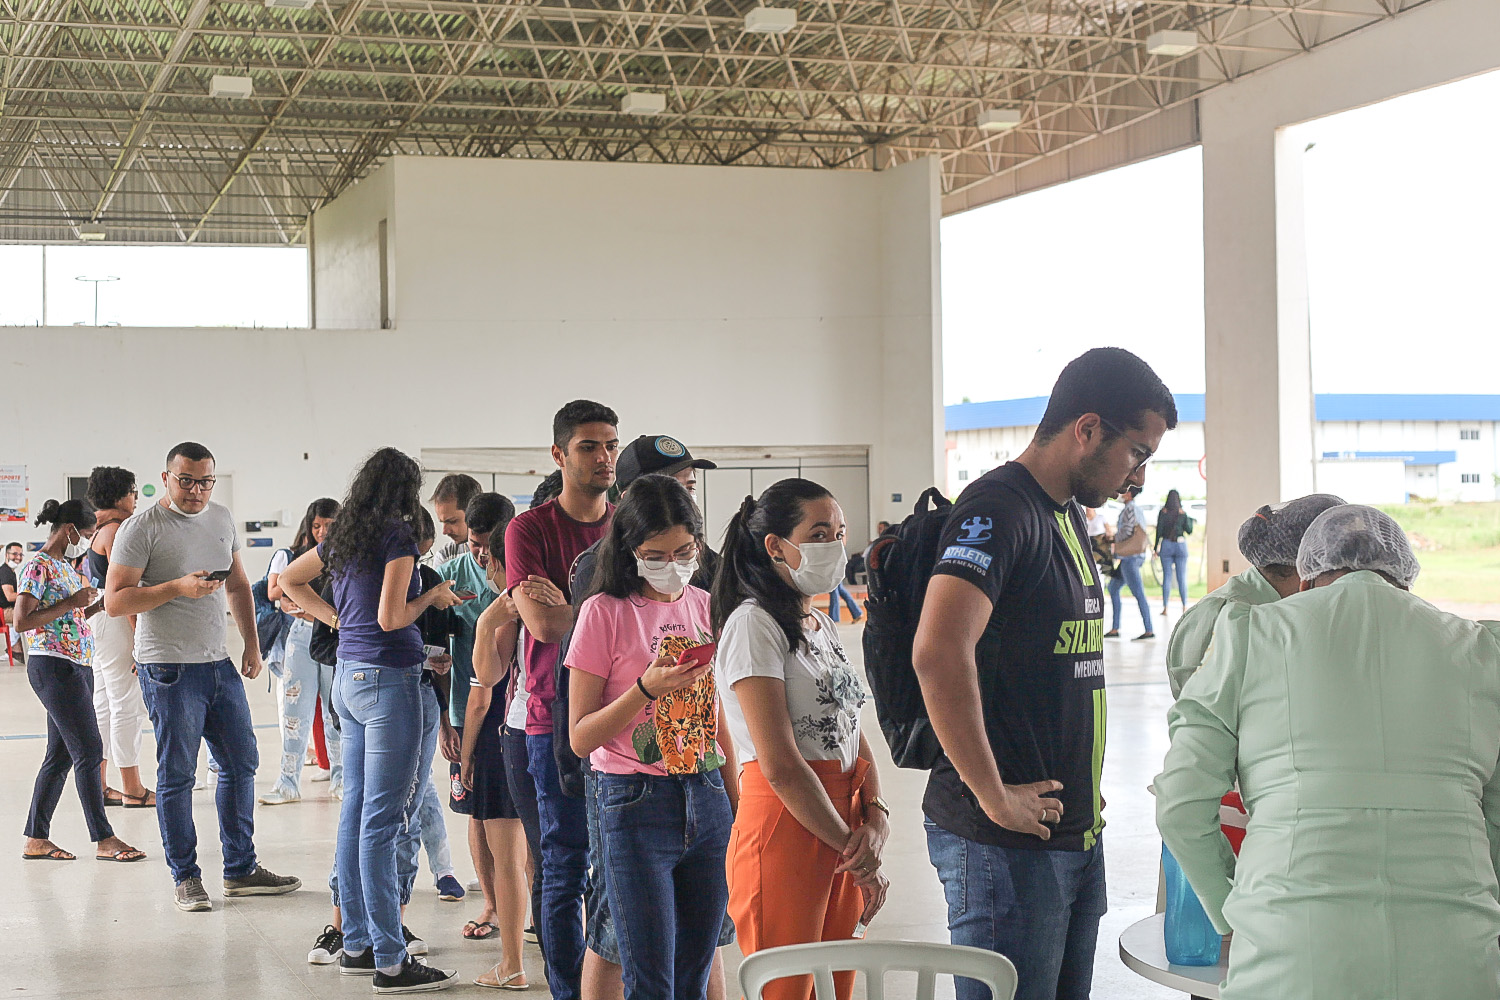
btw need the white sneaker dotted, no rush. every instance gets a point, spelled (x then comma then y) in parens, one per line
(321, 775)
(337, 792)
(474, 885)
(279, 797)
(200, 784)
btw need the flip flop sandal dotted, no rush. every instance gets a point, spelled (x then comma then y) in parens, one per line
(118, 800)
(124, 855)
(56, 854)
(508, 983)
(139, 801)
(479, 925)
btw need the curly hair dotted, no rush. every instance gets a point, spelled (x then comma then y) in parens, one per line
(386, 491)
(108, 485)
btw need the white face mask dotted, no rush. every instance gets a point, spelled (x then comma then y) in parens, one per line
(668, 578)
(495, 588)
(76, 549)
(173, 504)
(15, 561)
(822, 567)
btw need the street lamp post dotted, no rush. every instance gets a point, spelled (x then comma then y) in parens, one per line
(96, 283)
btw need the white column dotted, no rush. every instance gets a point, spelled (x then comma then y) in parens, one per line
(1259, 426)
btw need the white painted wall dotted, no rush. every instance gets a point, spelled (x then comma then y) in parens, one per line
(726, 306)
(344, 255)
(1258, 377)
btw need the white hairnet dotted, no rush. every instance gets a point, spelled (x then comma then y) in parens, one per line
(1355, 537)
(1272, 535)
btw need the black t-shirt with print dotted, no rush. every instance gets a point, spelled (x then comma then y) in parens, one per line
(8, 578)
(1040, 659)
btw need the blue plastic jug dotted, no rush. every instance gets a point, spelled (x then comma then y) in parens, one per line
(1191, 938)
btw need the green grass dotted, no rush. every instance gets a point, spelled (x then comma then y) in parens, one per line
(1458, 545)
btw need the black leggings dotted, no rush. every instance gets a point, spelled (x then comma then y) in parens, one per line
(523, 796)
(73, 743)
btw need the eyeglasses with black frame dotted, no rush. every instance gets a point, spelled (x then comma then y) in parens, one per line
(190, 485)
(1136, 448)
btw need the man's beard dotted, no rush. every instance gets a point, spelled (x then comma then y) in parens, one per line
(1085, 483)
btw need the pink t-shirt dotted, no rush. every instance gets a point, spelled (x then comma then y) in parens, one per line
(617, 640)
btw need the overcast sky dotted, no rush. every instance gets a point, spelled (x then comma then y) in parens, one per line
(1403, 234)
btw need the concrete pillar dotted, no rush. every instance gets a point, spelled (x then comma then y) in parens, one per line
(1259, 423)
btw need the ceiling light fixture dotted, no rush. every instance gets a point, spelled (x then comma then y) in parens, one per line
(639, 102)
(770, 20)
(999, 119)
(238, 87)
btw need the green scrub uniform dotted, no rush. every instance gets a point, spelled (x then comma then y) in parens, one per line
(1364, 725)
(1195, 629)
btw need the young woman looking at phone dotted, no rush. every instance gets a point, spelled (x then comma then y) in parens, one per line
(371, 554)
(650, 725)
(805, 855)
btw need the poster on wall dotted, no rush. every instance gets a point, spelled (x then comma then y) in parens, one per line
(13, 493)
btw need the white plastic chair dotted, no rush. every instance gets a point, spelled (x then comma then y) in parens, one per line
(874, 959)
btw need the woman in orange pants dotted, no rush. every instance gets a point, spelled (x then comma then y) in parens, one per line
(804, 853)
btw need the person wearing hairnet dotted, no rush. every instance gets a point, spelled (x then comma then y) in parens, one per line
(1365, 727)
(1269, 540)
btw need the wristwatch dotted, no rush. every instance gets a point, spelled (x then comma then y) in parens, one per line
(880, 803)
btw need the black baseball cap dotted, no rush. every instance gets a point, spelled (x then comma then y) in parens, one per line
(656, 453)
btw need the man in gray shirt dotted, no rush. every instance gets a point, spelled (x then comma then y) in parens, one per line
(174, 564)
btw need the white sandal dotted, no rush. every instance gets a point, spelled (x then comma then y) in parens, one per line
(506, 983)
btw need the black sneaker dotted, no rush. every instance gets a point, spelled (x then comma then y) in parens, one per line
(530, 935)
(192, 896)
(329, 947)
(362, 964)
(261, 883)
(414, 977)
(414, 944)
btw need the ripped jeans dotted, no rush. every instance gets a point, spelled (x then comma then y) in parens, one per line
(303, 680)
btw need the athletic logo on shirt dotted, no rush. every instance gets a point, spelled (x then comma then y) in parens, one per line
(973, 557)
(976, 530)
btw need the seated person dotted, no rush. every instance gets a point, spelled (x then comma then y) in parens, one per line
(1269, 540)
(1365, 727)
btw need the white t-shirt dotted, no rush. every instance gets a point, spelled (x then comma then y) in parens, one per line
(823, 693)
(1097, 525)
(515, 715)
(280, 560)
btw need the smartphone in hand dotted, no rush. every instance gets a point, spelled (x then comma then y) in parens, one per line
(697, 656)
(219, 575)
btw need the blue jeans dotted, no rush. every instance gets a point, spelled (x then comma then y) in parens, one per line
(841, 591)
(419, 813)
(601, 937)
(303, 681)
(664, 839)
(1040, 909)
(381, 711)
(1130, 575)
(1174, 561)
(190, 703)
(565, 849)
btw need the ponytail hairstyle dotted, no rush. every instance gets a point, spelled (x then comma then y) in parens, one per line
(79, 513)
(325, 507)
(746, 572)
(653, 504)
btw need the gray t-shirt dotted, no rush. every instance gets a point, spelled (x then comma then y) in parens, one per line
(166, 545)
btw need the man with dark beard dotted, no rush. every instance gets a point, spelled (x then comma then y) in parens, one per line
(1010, 655)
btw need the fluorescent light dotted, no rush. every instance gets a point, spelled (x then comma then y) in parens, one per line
(1171, 43)
(999, 119)
(223, 85)
(93, 235)
(770, 20)
(292, 4)
(639, 102)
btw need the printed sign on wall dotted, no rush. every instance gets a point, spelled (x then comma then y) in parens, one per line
(13, 505)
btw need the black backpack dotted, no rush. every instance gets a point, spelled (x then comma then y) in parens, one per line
(899, 565)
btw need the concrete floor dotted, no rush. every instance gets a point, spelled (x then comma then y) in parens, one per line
(84, 929)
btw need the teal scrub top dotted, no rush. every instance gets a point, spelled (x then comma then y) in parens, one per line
(1364, 725)
(466, 573)
(1195, 629)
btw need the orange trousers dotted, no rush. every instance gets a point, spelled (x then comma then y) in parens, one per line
(782, 888)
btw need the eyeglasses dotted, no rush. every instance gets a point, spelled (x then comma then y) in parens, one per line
(191, 485)
(684, 555)
(1137, 449)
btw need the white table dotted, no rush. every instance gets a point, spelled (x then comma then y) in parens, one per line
(1143, 949)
